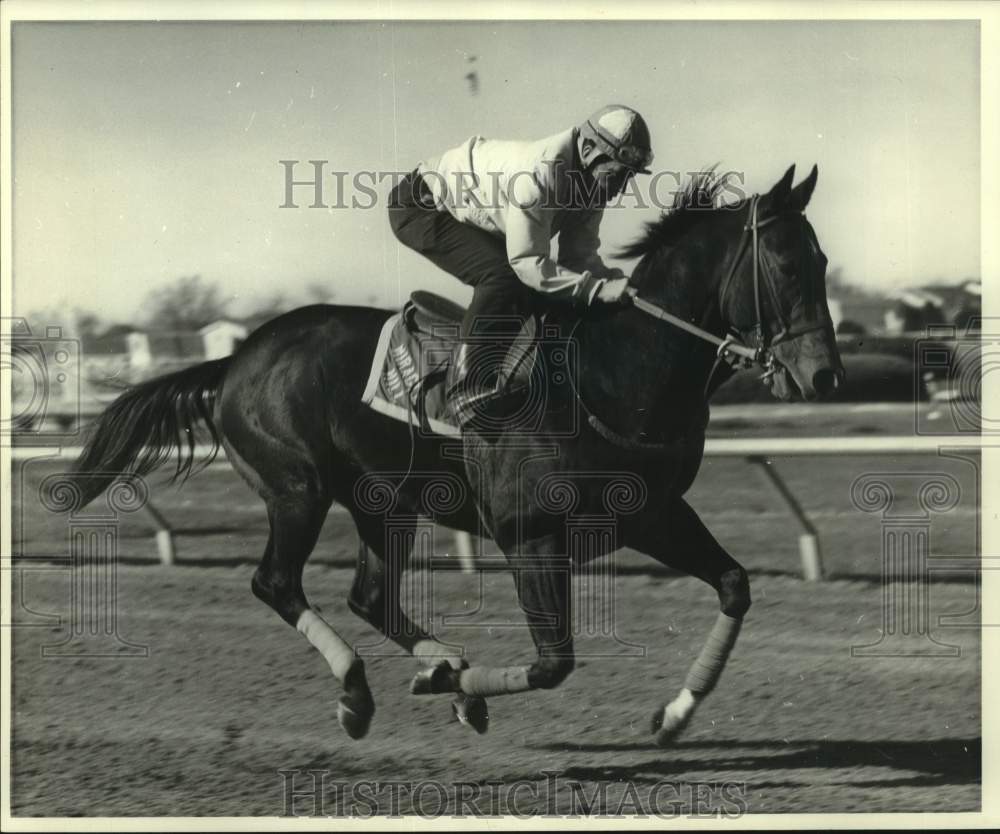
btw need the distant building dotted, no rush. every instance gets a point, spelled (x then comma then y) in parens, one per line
(914, 310)
(221, 338)
(106, 357)
(125, 354)
(162, 350)
(82, 375)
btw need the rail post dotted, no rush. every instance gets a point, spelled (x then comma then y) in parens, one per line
(809, 550)
(464, 552)
(164, 535)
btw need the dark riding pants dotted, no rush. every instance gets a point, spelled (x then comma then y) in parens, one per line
(478, 259)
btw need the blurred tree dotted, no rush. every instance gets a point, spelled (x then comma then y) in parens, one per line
(187, 304)
(850, 327)
(850, 292)
(835, 278)
(320, 292)
(88, 323)
(50, 316)
(969, 317)
(268, 306)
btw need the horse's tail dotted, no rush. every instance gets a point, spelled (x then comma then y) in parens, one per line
(148, 423)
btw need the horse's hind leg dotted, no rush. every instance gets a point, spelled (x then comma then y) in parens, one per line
(681, 541)
(295, 526)
(375, 597)
(542, 577)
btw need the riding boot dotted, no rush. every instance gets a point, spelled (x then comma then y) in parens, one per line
(480, 396)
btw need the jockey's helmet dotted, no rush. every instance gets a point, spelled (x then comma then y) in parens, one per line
(619, 132)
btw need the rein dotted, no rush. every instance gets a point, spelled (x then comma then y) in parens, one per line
(729, 349)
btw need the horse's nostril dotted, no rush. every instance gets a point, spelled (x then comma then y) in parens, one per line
(825, 381)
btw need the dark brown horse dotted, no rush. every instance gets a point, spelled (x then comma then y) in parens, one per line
(624, 441)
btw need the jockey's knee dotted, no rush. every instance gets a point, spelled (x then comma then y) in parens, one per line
(550, 670)
(734, 593)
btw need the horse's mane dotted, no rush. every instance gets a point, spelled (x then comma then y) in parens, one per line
(692, 204)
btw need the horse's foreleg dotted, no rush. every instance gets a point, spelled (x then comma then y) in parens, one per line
(375, 597)
(295, 526)
(669, 721)
(543, 581)
(685, 544)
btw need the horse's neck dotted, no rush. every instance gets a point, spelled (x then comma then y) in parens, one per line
(646, 375)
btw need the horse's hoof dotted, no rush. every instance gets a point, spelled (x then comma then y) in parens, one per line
(356, 706)
(355, 717)
(666, 727)
(471, 711)
(435, 680)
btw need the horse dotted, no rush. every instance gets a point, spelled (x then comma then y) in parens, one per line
(715, 285)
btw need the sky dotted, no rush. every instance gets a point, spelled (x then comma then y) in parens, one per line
(144, 152)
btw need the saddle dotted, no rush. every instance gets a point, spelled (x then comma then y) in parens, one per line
(414, 362)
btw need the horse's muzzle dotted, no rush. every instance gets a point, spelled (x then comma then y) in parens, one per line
(825, 381)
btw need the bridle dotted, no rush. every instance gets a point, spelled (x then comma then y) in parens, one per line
(730, 350)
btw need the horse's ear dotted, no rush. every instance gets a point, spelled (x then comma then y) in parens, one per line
(799, 197)
(777, 197)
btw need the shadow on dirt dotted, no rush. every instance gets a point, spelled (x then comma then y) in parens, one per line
(946, 761)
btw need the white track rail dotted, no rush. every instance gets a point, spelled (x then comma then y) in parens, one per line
(758, 452)
(714, 446)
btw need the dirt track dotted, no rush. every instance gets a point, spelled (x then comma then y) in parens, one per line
(229, 695)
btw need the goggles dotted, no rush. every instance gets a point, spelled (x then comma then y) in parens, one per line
(634, 157)
(638, 159)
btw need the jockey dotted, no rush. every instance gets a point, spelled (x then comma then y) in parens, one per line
(486, 212)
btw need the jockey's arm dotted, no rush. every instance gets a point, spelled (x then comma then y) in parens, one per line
(529, 241)
(579, 243)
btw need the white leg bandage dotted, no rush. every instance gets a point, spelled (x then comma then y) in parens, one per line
(485, 680)
(679, 710)
(431, 652)
(706, 669)
(327, 642)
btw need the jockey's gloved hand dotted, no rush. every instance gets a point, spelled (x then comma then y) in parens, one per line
(614, 292)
